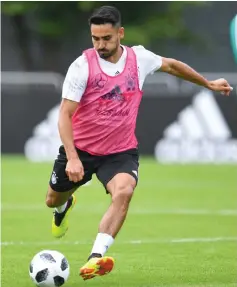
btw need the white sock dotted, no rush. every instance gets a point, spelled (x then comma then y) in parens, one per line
(61, 208)
(102, 242)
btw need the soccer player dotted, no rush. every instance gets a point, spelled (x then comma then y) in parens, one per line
(100, 101)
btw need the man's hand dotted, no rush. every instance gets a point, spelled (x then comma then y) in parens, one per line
(75, 170)
(220, 85)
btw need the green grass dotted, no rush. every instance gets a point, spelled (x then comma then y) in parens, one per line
(171, 203)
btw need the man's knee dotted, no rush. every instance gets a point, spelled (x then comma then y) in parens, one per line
(121, 188)
(122, 193)
(55, 199)
(51, 202)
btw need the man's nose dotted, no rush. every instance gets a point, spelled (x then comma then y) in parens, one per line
(101, 45)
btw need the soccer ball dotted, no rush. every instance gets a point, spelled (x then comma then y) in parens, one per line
(49, 268)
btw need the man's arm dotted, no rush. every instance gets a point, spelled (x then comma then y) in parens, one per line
(74, 168)
(67, 109)
(181, 70)
(73, 89)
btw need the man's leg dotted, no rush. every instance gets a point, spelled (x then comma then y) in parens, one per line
(121, 188)
(60, 191)
(56, 199)
(59, 195)
(63, 202)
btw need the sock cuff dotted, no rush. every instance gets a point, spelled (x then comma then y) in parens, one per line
(105, 235)
(102, 242)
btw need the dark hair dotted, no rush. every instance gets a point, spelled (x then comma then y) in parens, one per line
(106, 15)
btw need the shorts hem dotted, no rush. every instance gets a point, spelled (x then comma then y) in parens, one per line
(61, 189)
(128, 172)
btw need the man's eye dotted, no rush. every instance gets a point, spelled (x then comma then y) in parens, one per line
(107, 38)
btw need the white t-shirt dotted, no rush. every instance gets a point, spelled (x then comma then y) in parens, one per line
(75, 82)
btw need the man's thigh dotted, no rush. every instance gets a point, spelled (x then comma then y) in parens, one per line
(124, 162)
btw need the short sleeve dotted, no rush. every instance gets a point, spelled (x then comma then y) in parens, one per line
(148, 62)
(76, 78)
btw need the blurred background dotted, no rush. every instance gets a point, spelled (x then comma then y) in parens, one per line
(41, 39)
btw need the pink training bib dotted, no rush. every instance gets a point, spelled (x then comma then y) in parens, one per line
(105, 120)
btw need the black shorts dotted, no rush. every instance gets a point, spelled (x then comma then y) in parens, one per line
(105, 167)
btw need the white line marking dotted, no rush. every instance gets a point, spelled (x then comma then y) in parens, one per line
(98, 209)
(145, 241)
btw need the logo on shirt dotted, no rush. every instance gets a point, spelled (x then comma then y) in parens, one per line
(130, 79)
(115, 94)
(130, 83)
(105, 101)
(99, 81)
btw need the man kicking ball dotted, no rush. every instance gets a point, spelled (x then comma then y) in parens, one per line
(97, 120)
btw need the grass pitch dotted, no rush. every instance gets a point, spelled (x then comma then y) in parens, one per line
(181, 230)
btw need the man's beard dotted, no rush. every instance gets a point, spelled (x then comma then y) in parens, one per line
(104, 54)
